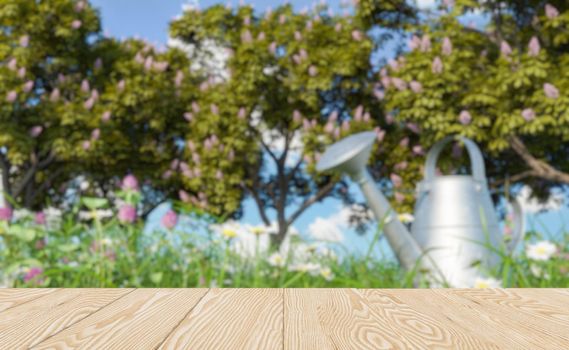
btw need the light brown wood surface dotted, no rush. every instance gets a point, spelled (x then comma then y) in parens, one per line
(284, 319)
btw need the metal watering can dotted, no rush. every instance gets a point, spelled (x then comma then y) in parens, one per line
(455, 226)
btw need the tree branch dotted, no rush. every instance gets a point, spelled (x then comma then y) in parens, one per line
(5, 173)
(539, 168)
(260, 205)
(322, 192)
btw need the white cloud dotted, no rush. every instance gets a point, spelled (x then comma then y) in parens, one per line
(426, 4)
(330, 229)
(532, 205)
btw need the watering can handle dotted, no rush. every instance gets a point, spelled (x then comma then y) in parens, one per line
(476, 160)
(519, 225)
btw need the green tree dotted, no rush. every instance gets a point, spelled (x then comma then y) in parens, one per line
(503, 85)
(291, 83)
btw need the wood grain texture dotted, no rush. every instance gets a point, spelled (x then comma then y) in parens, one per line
(232, 319)
(32, 322)
(13, 297)
(139, 320)
(284, 318)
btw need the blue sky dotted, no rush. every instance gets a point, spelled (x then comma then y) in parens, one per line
(149, 19)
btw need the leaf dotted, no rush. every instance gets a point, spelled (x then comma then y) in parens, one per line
(156, 277)
(66, 248)
(94, 203)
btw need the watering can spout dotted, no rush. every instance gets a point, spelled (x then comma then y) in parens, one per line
(350, 156)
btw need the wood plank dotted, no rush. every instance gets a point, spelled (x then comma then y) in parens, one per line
(139, 320)
(232, 319)
(11, 297)
(32, 322)
(465, 317)
(336, 319)
(511, 321)
(419, 328)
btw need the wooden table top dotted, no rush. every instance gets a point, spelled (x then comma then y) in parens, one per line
(284, 318)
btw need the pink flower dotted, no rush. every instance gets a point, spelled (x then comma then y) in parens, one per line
(414, 128)
(242, 113)
(437, 66)
(121, 85)
(160, 67)
(262, 36)
(148, 63)
(40, 218)
(528, 114)
(380, 95)
(6, 213)
(550, 91)
(404, 142)
(329, 127)
(214, 109)
(414, 43)
(22, 72)
(129, 183)
(54, 96)
(367, 117)
(85, 87)
(312, 71)
(447, 47)
(86, 145)
(282, 19)
(550, 11)
(184, 196)
(195, 107)
(389, 118)
(401, 166)
(127, 214)
(386, 81)
(400, 84)
(246, 36)
(333, 117)
(11, 96)
(36, 131)
(358, 113)
(76, 24)
(169, 220)
(188, 116)
(247, 20)
(338, 27)
(89, 103)
(296, 116)
(106, 116)
(425, 43)
(179, 78)
(297, 36)
(396, 180)
(28, 86)
(95, 134)
(399, 197)
(80, 6)
(416, 87)
(357, 35)
(13, 64)
(534, 47)
(98, 63)
(464, 117)
(32, 274)
(346, 125)
(40, 244)
(418, 150)
(505, 49)
(273, 47)
(24, 40)
(219, 175)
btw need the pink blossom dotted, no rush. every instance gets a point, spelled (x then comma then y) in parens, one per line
(399, 197)
(214, 109)
(329, 127)
(40, 218)
(418, 150)
(148, 63)
(32, 274)
(415, 86)
(219, 175)
(400, 84)
(129, 183)
(11, 96)
(425, 43)
(273, 47)
(528, 114)
(414, 43)
(380, 95)
(262, 36)
(396, 180)
(179, 78)
(303, 54)
(393, 64)
(306, 124)
(309, 25)
(534, 47)
(333, 117)
(550, 90)
(89, 103)
(505, 48)
(246, 36)
(169, 220)
(98, 63)
(447, 47)
(191, 145)
(404, 142)
(338, 27)
(231, 155)
(207, 144)
(24, 40)
(85, 87)
(106, 116)
(336, 133)
(464, 117)
(95, 94)
(389, 118)
(346, 125)
(195, 107)
(6, 213)
(358, 113)
(367, 117)
(13, 64)
(139, 58)
(95, 134)
(437, 66)
(22, 72)
(184, 196)
(54, 96)
(386, 82)
(282, 19)
(76, 24)
(357, 35)
(401, 166)
(86, 145)
(550, 11)
(160, 66)
(28, 86)
(414, 128)
(297, 36)
(121, 85)
(127, 214)
(188, 116)
(296, 116)
(80, 6)
(247, 20)
(36, 131)
(242, 113)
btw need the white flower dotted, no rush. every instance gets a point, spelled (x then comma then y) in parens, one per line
(538, 272)
(95, 214)
(312, 268)
(326, 272)
(20, 214)
(84, 185)
(541, 251)
(406, 218)
(487, 283)
(277, 260)
(52, 218)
